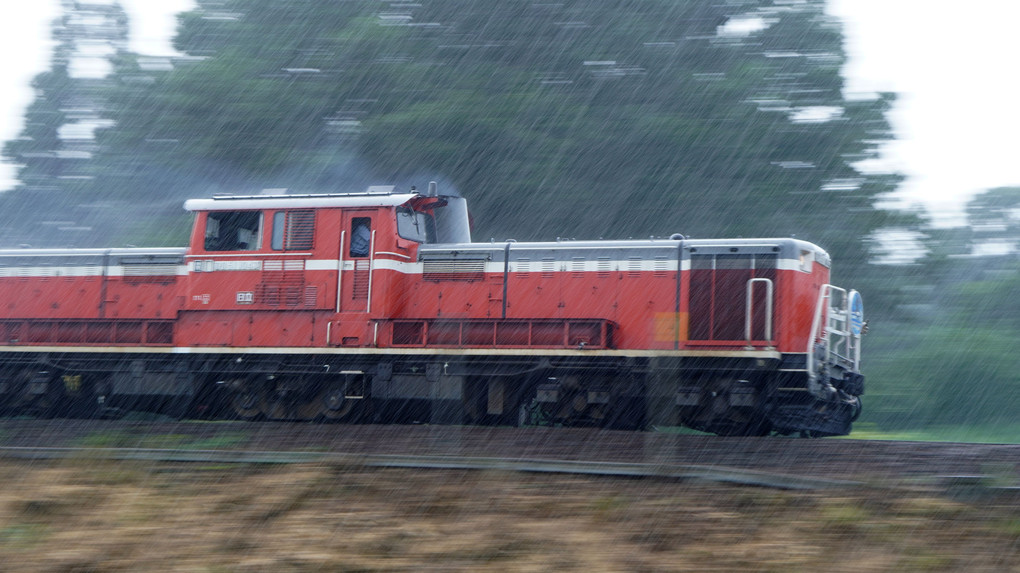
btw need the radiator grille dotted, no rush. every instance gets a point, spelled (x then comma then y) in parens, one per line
(454, 270)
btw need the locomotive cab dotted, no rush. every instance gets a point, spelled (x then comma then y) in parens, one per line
(280, 256)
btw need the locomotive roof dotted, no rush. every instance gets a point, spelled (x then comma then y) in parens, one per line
(783, 246)
(376, 196)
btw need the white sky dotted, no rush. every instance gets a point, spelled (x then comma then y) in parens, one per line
(24, 51)
(951, 64)
(26, 47)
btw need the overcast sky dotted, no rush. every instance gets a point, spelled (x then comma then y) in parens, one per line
(951, 64)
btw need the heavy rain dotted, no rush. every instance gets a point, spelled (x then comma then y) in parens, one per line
(632, 240)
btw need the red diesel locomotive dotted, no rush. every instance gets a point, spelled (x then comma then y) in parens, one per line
(376, 306)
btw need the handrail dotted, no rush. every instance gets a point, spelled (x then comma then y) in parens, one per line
(855, 315)
(371, 269)
(835, 335)
(824, 294)
(340, 271)
(749, 308)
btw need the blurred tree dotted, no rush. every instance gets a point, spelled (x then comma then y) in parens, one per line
(945, 352)
(39, 146)
(586, 118)
(58, 153)
(995, 218)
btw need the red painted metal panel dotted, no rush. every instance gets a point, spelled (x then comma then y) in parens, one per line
(509, 333)
(313, 288)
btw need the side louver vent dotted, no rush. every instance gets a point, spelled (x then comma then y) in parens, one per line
(454, 269)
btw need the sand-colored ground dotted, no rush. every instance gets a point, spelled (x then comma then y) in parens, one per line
(87, 515)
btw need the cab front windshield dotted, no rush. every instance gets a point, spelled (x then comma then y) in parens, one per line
(415, 225)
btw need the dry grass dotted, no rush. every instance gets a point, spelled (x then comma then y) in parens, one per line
(93, 515)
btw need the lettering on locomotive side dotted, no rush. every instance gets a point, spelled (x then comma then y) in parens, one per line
(208, 266)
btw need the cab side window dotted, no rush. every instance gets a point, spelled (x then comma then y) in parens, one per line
(293, 230)
(361, 236)
(233, 230)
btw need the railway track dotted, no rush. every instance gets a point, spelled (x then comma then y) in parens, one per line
(768, 462)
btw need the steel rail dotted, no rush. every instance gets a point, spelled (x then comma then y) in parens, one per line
(681, 472)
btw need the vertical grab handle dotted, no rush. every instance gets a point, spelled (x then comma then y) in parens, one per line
(340, 271)
(371, 271)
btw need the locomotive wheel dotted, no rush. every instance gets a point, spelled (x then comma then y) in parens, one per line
(281, 409)
(287, 399)
(309, 409)
(578, 412)
(303, 399)
(732, 423)
(39, 394)
(599, 414)
(717, 415)
(334, 403)
(47, 405)
(17, 402)
(276, 409)
(247, 401)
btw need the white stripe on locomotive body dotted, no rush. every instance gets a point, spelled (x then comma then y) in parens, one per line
(44, 271)
(535, 267)
(619, 256)
(320, 265)
(203, 266)
(408, 268)
(221, 255)
(120, 262)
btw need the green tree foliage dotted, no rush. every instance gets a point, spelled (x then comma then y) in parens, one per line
(946, 353)
(996, 214)
(58, 201)
(585, 118)
(45, 116)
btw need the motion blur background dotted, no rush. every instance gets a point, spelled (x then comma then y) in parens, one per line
(878, 130)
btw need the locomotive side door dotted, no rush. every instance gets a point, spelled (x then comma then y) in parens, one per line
(727, 283)
(354, 281)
